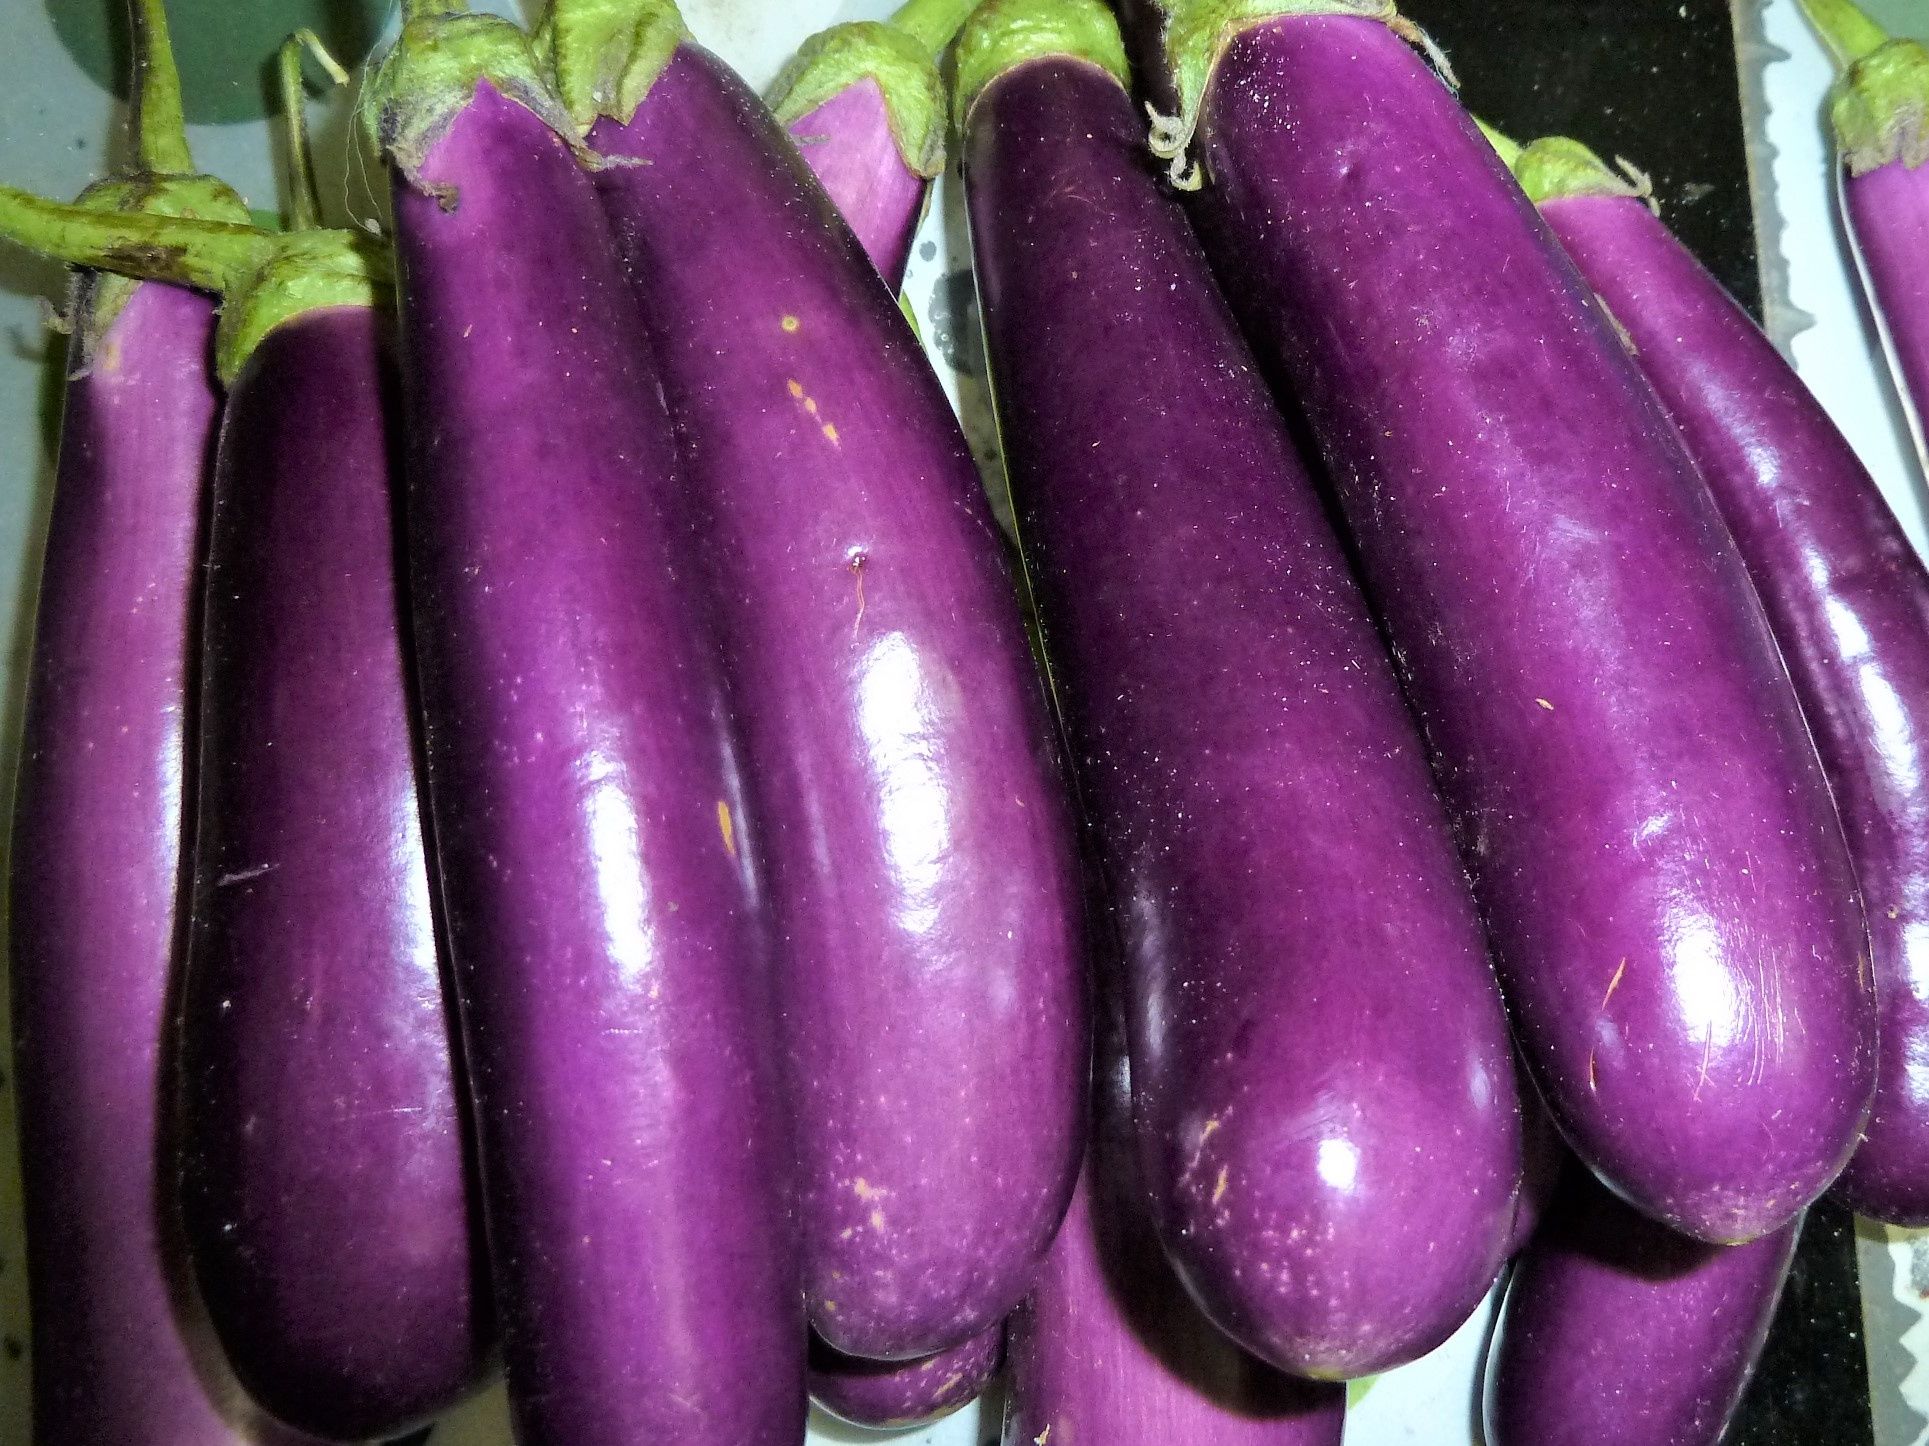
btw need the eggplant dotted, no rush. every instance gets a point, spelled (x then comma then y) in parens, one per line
(866, 106)
(1650, 833)
(1324, 1085)
(1617, 1329)
(610, 971)
(897, 1395)
(907, 804)
(122, 1350)
(1846, 594)
(1879, 111)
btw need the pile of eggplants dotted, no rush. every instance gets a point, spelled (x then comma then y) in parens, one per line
(542, 817)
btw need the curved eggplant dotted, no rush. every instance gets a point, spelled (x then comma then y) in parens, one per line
(617, 1017)
(1651, 835)
(1324, 1087)
(908, 807)
(1616, 1329)
(1845, 592)
(896, 1395)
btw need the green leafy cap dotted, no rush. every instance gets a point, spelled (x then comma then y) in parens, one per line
(1879, 105)
(602, 56)
(1004, 34)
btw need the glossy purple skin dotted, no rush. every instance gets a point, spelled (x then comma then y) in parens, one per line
(1849, 602)
(1109, 1349)
(1651, 835)
(1542, 1157)
(848, 144)
(121, 1349)
(613, 986)
(1887, 210)
(897, 1395)
(910, 811)
(1325, 1086)
(327, 1194)
(1616, 1329)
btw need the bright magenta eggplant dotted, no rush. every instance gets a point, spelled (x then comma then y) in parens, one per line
(897, 1395)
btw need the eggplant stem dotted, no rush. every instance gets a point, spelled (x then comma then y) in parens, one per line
(932, 23)
(1508, 147)
(1849, 34)
(304, 197)
(160, 127)
(206, 255)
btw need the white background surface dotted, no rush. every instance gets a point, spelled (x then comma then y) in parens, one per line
(51, 124)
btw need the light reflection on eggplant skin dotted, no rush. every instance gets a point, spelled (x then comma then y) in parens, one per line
(894, 708)
(617, 857)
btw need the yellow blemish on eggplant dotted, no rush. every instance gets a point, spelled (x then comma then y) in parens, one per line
(810, 405)
(865, 1190)
(1219, 1186)
(877, 1220)
(1042, 1437)
(1545, 704)
(830, 1307)
(795, 387)
(790, 323)
(830, 433)
(109, 357)
(1210, 1129)
(727, 828)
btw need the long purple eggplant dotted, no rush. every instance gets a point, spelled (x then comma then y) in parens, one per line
(327, 1186)
(1879, 110)
(1325, 1095)
(121, 1347)
(897, 1395)
(612, 979)
(1846, 594)
(908, 806)
(1651, 835)
(1616, 1329)
(867, 108)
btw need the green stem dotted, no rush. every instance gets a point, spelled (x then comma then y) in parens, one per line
(160, 129)
(1849, 34)
(304, 198)
(207, 255)
(932, 23)
(1508, 147)
(413, 10)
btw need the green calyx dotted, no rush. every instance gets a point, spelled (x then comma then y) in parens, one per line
(602, 56)
(1004, 34)
(1880, 108)
(1554, 168)
(265, 278)
(906, 73)
(1197, 33)
(432, 72)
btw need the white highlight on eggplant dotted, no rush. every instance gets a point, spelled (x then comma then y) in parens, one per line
(1704, 986)
(914, 808)
(1338, 1163)
(617, 857)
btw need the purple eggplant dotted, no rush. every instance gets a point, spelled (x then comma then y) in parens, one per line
(908, 807)
(121, 1347)
(896, 1395)
(866, 106)
(1846, 594)
(611, 976)
(1617, 1329)
(327, 1189)
(1879, 110)
(1325, 1091)
(1651, 835)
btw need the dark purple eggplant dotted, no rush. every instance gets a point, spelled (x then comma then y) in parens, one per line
(1845, 592)
(866, 106)
(611, 976)
(122, 1351)
(1879, 110)
(1325, 1092)
(897, 1395)
(1651, 835)
(1617, 1329)
(907, 804)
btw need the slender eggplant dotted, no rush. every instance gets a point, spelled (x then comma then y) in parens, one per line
(1616, 1329)
(1879, 110)
(897, 1395)
(121, 1347)
(1325, 1090)
(866, 106)
(610, 972)
(1846, 594)
(327, 1186)
(1651, 835)
(910, 810)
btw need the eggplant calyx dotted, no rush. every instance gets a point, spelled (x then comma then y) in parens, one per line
(1879, 108)
(603, 56)
(431, 75)
(300, 272)
(1557, 168)
(1002, 35)
(1197, 33)
(836, 60)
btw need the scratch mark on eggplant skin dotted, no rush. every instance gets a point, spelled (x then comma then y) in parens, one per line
(1219, 1186)
(727, 828)
(241, 876)
(858, 559)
